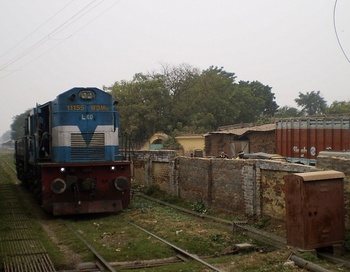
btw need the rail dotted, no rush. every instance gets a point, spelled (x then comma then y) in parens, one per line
(99, 258)
(184, 252)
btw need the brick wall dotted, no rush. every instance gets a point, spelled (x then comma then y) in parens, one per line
(217, 143)
(248, 187)
(342, 165)
(264, 141)
(259, 141)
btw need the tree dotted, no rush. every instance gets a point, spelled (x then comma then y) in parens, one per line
(178, 78)
(269, 106)
(184, 100)
(206, 104)
(143, 105)
(339, 107)
(312, 103)
(287, 111)
(247, 106)
(17, 126)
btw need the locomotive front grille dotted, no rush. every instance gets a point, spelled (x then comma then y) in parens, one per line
(87, 146)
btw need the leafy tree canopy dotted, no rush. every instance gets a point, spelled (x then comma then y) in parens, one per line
(17, 126)
(285, 112)
(183, 99)
(312, 103)
(257, 89)
(144, 105)
(339, 107)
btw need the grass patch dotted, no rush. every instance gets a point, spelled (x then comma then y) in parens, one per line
(117, 240)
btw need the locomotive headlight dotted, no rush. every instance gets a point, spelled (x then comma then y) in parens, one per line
(62, 170)
(121, 183)
(113, 168)
(58, 186)
(87, 95)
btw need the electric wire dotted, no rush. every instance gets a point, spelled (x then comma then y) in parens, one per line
(35, 30)
(54, 32)
(42, 40)
(63, 40)
(336, 32)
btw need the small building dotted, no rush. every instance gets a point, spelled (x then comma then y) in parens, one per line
(192, 144)
(242, 137)
(155, 142)
(9, 144)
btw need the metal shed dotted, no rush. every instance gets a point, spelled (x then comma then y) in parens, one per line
(315, 216)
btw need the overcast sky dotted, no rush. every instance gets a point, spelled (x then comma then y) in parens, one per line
(48, 46)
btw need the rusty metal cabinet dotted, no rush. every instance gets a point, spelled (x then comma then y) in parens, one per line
(315, 209)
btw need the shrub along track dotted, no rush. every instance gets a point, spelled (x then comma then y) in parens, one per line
(21, 249)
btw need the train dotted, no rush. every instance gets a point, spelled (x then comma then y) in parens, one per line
(70, 155)
(301, 140)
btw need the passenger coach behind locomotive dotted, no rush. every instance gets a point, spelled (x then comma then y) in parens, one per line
(70, 155)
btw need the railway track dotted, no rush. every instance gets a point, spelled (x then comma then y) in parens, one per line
(22, 251)
(256, 234)
(103, 265)
(234, 225)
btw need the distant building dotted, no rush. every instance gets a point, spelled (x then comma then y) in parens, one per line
(242, 137)
(156, 142)
(192, 145)
(9, 144)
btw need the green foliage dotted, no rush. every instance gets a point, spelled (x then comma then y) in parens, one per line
(218, 238)
(184, 100)
(199, 206)
(143, 105)
(262, 223)
(339, 107)
(248, 106)
(312, 103)
(171, 143)
(286, 111)
(267, 106)
(152, 190)
(17, 126)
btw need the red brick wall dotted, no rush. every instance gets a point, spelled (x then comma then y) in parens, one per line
(262, 142)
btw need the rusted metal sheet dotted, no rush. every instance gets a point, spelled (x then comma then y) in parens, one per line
(65, 208)
(315, 209)
(301, 139)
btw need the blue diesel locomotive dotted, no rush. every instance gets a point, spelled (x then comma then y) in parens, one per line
(69, 156)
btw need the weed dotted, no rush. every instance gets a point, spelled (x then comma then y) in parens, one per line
(199, 206)
(262, 223)
(152, 190)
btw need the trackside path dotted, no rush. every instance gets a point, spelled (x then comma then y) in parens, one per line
(21, 249)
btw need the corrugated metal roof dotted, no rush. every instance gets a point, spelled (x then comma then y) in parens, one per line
(241, 131)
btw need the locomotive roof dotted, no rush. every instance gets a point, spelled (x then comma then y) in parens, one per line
(77, 89)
